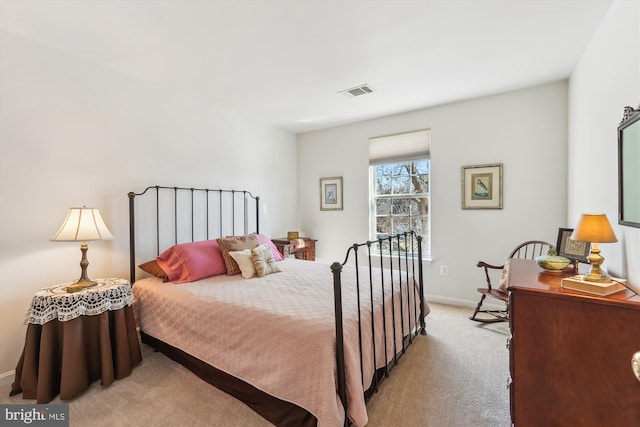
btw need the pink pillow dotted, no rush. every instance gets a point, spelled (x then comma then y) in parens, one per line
(187, 262)
(265, 240)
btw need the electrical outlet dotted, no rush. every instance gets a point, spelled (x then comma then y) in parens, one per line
(444, 270)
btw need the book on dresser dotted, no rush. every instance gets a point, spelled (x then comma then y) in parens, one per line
(577, 283)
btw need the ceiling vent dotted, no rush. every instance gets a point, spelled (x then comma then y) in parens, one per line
(357, 91)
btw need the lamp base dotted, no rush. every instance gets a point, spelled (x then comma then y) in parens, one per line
(597, 278)
(80, 285)
(83, 281)
(596, 273)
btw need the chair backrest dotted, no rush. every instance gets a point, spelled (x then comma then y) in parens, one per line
(531, 249)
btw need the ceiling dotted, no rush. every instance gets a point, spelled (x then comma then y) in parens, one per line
(284, 61)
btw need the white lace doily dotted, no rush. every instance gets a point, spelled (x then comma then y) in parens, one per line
(56, 303)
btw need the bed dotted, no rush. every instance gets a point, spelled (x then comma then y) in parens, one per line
(303, 345)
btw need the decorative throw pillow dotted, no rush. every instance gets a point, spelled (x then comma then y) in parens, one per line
(263, 261)
(504, 280)
(236, 243)
(191, 261)
(154, 269)
(263, 239)
(245, 262)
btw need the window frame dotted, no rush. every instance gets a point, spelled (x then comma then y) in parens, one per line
(374, 197)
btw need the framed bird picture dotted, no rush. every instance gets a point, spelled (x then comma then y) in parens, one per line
(482, 186)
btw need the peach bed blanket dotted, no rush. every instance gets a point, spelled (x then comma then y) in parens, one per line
(277, 332)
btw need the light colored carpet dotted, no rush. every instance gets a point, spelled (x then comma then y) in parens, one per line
(455, 376)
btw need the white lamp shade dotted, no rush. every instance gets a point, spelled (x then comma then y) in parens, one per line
(82, 224)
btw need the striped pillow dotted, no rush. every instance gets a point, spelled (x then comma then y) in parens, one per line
(263, 261)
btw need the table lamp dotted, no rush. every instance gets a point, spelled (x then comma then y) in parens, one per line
(81, 225)
(595, 229)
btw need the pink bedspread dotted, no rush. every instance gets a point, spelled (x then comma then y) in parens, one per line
(277, 332)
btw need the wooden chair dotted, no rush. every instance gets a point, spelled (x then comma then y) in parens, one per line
(526, 250)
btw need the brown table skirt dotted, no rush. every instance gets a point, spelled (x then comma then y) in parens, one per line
(66, 357)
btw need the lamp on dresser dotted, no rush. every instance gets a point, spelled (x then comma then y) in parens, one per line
(595, 229)
(82, 225)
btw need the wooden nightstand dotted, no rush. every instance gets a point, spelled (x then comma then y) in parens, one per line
(301, 248)
(76, 338)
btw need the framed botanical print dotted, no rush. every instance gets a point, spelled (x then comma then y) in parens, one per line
(482, 186)
(331, 194)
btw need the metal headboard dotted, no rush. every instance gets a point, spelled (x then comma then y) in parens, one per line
(190, 214)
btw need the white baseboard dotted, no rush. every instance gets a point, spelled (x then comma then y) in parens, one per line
(460, 302)
(7, 378)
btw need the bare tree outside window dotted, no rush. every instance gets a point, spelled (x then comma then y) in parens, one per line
(401, 192)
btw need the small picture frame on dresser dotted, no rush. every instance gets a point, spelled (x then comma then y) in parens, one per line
(572, 249)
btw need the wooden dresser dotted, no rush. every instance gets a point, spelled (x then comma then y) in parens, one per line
(570, 353)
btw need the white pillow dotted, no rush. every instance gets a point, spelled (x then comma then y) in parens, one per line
(244, 261)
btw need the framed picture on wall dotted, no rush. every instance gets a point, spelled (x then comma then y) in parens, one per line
(331, 194)
(482, 186)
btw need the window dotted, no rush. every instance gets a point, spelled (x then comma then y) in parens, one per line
(399, 191)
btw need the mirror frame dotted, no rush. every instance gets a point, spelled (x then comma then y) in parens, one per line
(630, 118)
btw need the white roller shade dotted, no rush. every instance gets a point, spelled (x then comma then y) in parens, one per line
(403, 146)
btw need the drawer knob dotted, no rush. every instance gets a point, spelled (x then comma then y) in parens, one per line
(635, 364)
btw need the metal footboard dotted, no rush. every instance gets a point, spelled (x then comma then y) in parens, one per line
(399, 258)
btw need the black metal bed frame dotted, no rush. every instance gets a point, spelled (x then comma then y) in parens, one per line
(190, 191)
(407, 264)
(411, 260)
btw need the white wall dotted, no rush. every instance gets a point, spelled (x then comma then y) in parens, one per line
(73, 133)
(606, 79)
(525, 130)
